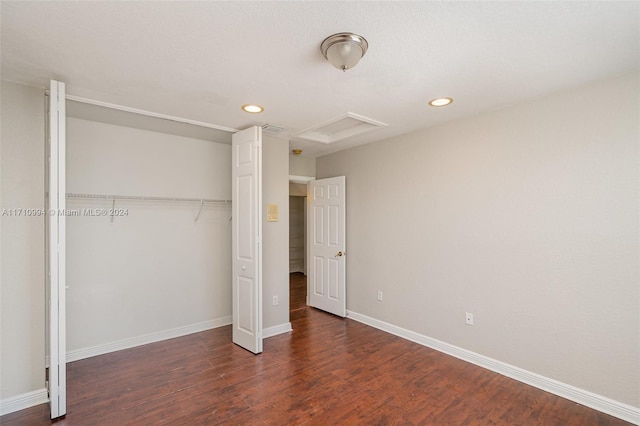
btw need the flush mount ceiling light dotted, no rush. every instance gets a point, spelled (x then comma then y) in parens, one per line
(440, 102)
(344, 50)
(252, 109)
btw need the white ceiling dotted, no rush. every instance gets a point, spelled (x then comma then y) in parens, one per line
(203, 60)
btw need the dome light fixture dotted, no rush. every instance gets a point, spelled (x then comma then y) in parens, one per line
(344, 50)
(440, 102)
(252, 109)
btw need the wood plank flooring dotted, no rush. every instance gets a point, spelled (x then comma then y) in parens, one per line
(297, 293)
(328, 371)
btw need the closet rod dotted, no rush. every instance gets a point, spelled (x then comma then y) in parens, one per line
(145, 198)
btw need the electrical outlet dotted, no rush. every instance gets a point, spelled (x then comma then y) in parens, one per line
(468, 318)
(275, 300)
(379, 296)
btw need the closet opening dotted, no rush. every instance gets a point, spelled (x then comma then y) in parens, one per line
(149, 232)
(147, 204)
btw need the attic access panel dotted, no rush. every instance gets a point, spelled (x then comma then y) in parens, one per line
(339, 128)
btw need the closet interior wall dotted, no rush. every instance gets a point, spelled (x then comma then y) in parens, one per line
(157, 268)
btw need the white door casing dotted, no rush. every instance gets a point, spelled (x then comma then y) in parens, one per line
(56, 251)
(246, 171)
(326, 237)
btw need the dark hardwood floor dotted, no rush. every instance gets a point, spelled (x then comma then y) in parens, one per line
(328, 371)
(297, 293)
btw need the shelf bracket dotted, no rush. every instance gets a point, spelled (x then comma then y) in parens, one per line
(113, 209)
(199, 211)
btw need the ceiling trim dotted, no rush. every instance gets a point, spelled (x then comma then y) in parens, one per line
(300, 179)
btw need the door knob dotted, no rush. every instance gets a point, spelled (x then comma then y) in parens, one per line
(340, 254)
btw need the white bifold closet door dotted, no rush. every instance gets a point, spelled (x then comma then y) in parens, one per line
(246, 177)
(56, 251)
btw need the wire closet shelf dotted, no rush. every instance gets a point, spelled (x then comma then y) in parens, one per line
(115, 198)
(146, 198)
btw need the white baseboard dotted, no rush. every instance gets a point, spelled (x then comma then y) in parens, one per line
(597, 402)
(25, 400)
(78, 354)
(276, 329)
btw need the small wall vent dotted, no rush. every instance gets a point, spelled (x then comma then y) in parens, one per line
(339, 128)
(272, 128)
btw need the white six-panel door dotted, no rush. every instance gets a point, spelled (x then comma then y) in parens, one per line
(246, 173)
(56, 251)
(326, 236)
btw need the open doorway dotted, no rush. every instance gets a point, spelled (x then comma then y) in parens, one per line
(297, 248)
(297, 253)
(297, 234)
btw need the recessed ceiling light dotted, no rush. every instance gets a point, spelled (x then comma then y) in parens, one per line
(440, 102)
(253, 109)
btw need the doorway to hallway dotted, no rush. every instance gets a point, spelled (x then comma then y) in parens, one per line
(297, 250)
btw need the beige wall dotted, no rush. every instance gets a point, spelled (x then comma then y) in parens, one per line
(22, 240)
(302, 166)
(526, 217)
(298, 189)
(275, 249)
